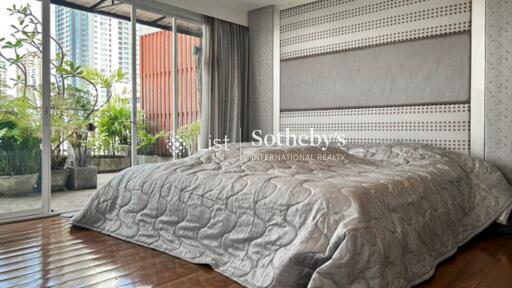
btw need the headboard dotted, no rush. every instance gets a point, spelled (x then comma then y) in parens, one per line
(445, 126)
(338, 53)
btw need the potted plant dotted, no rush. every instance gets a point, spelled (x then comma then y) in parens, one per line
(114, 123)
(81, 175)
(20, 157)
(112, 142)
(59, 172)
(70, 110)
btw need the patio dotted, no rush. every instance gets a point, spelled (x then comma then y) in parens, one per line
(61, 201)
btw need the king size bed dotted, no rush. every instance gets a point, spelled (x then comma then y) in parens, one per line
(359, 216)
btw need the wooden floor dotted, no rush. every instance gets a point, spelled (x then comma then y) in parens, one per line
(50, 252)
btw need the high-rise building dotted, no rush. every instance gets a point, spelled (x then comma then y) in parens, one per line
(3, 77)
(72, 33)
(32, 66)
(95, 41)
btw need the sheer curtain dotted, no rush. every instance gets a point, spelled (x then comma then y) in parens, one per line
(225, 82)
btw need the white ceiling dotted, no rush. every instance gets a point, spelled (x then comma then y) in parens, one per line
(230, 10)
(248, 5)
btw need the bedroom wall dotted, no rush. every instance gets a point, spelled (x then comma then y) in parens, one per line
(260, 69)
(498, 94)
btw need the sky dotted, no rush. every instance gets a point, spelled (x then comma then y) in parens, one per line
(8, 20)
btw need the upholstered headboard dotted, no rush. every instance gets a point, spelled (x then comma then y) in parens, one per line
(445, 126)
(336, 53)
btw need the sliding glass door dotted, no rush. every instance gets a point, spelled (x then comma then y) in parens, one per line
(189, 71)
(70, 100)
(155, 74)
(20, 108)
(169, 77)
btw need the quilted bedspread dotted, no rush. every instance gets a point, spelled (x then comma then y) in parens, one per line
(376, 216)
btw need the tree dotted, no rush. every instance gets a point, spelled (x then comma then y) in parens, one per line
(72, 107)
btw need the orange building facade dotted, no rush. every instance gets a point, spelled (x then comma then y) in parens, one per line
(156, 72)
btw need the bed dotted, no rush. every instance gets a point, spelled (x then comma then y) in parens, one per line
(358, 216)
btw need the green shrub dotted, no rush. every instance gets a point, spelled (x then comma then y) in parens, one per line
(146, 137)
(20, 152)
(190, 132)
(114, 123)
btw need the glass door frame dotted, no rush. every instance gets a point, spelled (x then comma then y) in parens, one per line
(44, 209)
(154, 7)
(175, 14)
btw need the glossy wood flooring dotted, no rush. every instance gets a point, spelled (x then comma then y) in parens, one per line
(52, 253)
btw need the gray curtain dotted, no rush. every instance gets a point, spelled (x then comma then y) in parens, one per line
(225, 82)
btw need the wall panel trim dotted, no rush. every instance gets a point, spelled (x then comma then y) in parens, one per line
(478, 68)
(276, 71)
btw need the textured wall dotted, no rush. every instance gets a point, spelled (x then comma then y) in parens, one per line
(260, 69)
(498, 96)
(445, 126)
(434, 70)
(333, 25)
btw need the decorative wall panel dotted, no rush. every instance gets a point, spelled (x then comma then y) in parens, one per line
(498, 92)
(445, 126)
(427, 71)
(335, 25)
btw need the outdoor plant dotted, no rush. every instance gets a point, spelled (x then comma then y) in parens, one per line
(19, 152)
(98, 79)
(114, 123)
(189, 134)
(79, 142)
(72, 107)
(114, 128)
(146, 139)
(68, 113)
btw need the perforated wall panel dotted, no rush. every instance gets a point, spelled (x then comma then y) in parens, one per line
(334, 25)
(445, 126)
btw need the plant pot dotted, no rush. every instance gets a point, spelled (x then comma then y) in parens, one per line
(124, 150)
(82, 178)
(145, 159)
(59, 179)
(107, 164)
(18, 185)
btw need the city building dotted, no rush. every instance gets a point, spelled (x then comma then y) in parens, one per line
(157, 85)
(32, 66)
(95, 41)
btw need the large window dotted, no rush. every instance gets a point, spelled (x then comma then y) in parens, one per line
(54, 161)
(90, 103)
